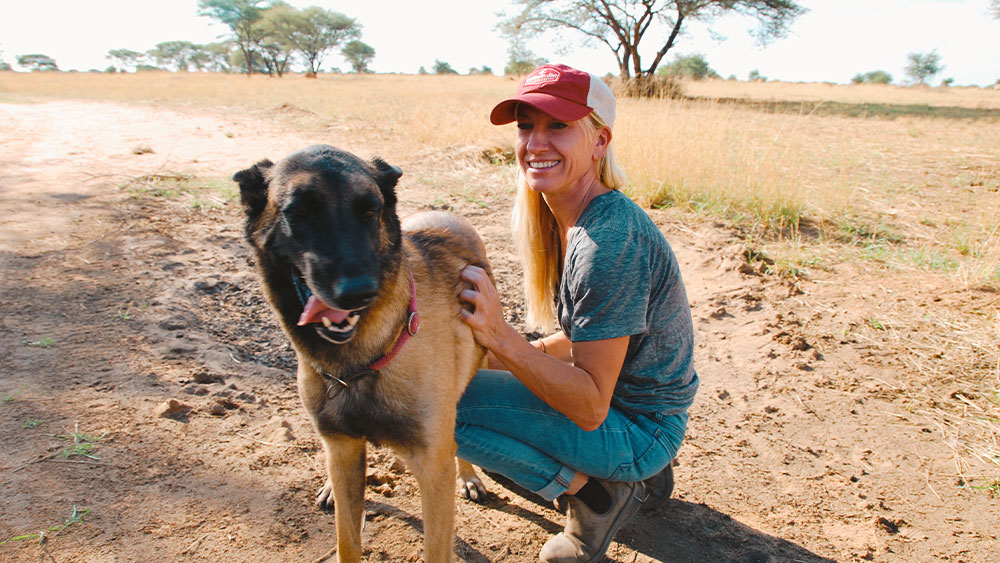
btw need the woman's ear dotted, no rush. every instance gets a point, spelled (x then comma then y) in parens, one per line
(602, 143)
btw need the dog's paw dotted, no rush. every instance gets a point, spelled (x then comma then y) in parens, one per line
(473, 489)
(324, 499)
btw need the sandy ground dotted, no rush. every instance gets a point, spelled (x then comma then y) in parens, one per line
(115, 302)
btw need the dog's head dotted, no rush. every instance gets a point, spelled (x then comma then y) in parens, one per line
(323, 223)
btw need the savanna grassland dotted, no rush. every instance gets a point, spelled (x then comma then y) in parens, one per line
(840, 245)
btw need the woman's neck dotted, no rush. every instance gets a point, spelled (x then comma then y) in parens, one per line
(569, 206)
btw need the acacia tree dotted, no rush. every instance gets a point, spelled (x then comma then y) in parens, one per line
(317, 31)
(124, 59)
(358, 54)
(242, 17)
(217, 56)
(443, 67)
(520, 59)
(37, 62)
(923, 66)
(623, 25)
(276, 47)
(995, 8)
(177, 54)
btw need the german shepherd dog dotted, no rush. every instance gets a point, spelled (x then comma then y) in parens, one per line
(351, 285)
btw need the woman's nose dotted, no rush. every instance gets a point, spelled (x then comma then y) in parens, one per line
(537, 141)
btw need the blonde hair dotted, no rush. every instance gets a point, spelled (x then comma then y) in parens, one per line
(536, 239)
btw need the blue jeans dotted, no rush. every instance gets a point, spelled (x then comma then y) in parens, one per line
(503, 427)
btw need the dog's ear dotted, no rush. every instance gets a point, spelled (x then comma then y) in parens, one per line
(386, 175)
(253, 187)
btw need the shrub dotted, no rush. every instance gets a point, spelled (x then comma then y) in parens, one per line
(648, 87)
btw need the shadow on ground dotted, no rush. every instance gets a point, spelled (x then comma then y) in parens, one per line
(681, 532)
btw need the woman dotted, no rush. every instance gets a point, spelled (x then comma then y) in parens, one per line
(587, 413)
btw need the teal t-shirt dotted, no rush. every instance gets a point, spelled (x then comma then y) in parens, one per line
(621, 278)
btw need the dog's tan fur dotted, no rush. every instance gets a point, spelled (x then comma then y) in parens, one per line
(421, 385)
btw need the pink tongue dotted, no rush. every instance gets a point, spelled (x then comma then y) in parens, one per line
(316, 311)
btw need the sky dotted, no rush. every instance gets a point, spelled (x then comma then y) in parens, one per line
(834, 41)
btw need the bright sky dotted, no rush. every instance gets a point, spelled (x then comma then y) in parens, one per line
(834, 41)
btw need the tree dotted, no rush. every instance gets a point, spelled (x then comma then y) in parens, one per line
(37, 62)
(520, 59)
(441, 67)
(123, 59)
(622, 25)
(692, 66)
(242, 17)
(358, 54)
(873, 77)
(995, 8)
(923, 66)
(756, 76)
(176, 54)
(484, 70)
(315, 31)
(277, 24)
(218, 56)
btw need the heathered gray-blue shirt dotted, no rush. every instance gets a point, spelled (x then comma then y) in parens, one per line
(621, 278)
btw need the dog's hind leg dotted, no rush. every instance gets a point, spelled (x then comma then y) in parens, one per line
(472, 486)
(345, 465)
(434, 468)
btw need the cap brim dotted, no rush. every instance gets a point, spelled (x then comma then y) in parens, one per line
(559, 108)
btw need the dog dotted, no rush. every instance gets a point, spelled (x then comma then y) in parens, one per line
(370, 306)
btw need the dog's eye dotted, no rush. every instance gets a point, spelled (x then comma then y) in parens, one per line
(368, 209)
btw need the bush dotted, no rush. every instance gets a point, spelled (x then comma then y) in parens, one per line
(692, 66)
(648, 87)
(873, 77)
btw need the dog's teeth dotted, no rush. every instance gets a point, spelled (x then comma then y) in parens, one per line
(327, 322)
(353, 319)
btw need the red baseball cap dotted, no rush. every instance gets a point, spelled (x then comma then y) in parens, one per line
(563, 92)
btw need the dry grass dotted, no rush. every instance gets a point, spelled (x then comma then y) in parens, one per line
(963, 97)
(911, 193)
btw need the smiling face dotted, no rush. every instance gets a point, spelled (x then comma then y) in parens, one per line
(556, 156)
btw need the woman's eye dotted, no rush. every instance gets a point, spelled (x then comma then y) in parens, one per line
(558, 125)
(524, 126)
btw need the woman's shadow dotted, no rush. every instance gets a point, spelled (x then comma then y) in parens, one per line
(679, 531)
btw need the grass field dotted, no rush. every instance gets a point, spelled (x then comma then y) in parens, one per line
(905, 189)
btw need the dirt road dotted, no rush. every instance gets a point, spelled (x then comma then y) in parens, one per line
(122, 288)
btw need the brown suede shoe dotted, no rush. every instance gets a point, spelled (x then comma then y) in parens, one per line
(587, 535)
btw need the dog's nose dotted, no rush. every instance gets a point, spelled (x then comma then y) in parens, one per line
(356, 292)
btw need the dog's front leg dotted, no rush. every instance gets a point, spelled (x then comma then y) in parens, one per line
(345, 466)
(434, 468)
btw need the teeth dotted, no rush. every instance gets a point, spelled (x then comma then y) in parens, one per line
(327, 323)
(353, 319)
(543, 164)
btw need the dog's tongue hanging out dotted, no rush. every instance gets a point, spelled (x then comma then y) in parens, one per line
(316, 311)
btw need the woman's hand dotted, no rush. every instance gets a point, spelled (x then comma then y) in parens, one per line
(486, 317)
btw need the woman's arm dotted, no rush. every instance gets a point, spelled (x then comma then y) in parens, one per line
(581, 390)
